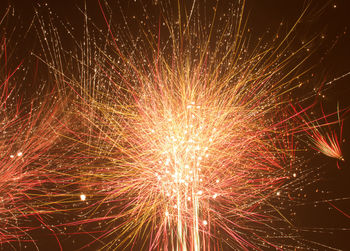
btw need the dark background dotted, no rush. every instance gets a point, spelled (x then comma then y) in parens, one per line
(331, 58)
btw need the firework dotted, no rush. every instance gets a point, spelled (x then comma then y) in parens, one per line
(328, 143)
(324, 139)
(21, 174)
(27, 133)
(184, 144)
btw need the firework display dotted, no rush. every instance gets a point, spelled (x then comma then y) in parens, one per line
(175, 128)
(190, 146)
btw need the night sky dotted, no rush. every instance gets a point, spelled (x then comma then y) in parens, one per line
(327, 22)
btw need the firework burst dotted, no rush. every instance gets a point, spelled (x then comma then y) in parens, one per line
(28, 132)
(321, 134)
(329, 142)
(188, 142)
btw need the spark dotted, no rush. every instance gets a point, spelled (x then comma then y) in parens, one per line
(82, 197)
